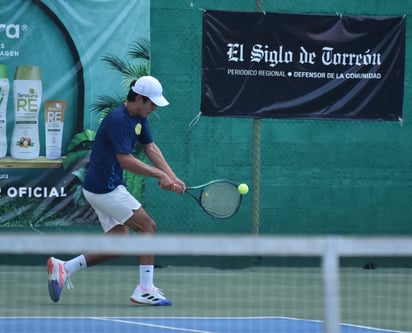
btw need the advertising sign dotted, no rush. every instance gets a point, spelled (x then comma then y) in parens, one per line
(271, 65)
(51, 75)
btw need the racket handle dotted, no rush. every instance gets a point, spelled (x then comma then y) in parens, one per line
(177, 188)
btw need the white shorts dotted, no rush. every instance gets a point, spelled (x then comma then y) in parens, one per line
(113, 208)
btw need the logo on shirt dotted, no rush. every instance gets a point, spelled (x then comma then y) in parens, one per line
(138, 129)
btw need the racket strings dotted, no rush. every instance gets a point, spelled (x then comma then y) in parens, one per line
(220, 199)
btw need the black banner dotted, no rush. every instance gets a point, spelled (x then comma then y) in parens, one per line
(271, 65)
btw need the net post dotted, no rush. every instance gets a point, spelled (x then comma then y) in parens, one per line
(331, 290)
(256, 177)
(256, 160)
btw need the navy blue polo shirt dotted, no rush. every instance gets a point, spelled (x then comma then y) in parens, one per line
(118, 133)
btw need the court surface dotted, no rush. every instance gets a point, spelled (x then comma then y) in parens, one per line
(205, 299)
(165, 325)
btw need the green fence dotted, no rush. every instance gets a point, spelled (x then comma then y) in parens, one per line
(316, 177)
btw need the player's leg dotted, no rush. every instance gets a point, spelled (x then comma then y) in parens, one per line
(113, 209)
(120, 208)
(142, 223)
(145, 292)
(96, 258)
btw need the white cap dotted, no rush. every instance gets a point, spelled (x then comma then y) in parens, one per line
(150, 87)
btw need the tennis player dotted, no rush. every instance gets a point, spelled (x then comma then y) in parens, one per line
(104, 186)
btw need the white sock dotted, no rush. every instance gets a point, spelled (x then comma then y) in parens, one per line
(75, 264)
(146, 276)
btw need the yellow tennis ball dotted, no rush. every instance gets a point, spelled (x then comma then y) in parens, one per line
(243, 189)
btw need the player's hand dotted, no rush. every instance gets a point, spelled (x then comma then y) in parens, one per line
(166, 183)
(179, 186)
(169, 184)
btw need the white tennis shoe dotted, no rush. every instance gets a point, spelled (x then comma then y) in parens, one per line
(149, 297)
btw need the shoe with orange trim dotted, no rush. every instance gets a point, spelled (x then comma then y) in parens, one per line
(57, 278)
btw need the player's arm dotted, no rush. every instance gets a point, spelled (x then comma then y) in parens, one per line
(132, 164)
(156, 157)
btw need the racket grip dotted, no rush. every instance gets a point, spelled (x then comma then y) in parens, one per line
(177, 188)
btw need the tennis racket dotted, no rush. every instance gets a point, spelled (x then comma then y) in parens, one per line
(219, 198)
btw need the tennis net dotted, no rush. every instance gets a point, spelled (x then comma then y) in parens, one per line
(227, 283)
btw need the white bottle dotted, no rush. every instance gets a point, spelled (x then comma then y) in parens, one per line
(4, 95)
(27, 96)
(54, 121)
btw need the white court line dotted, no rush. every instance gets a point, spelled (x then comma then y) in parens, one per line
(150, 325)
(379, 330)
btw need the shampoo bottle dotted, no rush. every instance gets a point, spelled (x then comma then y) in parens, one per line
(54, 120)
(4, 94)
(27, 96)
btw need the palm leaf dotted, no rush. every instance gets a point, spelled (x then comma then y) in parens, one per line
(75, 157)
(105, 104)
(140, 49)
(123, 66)
(136, 72)
(86, 135)
(79, 148)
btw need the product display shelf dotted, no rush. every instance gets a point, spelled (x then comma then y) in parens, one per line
(38, 163)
